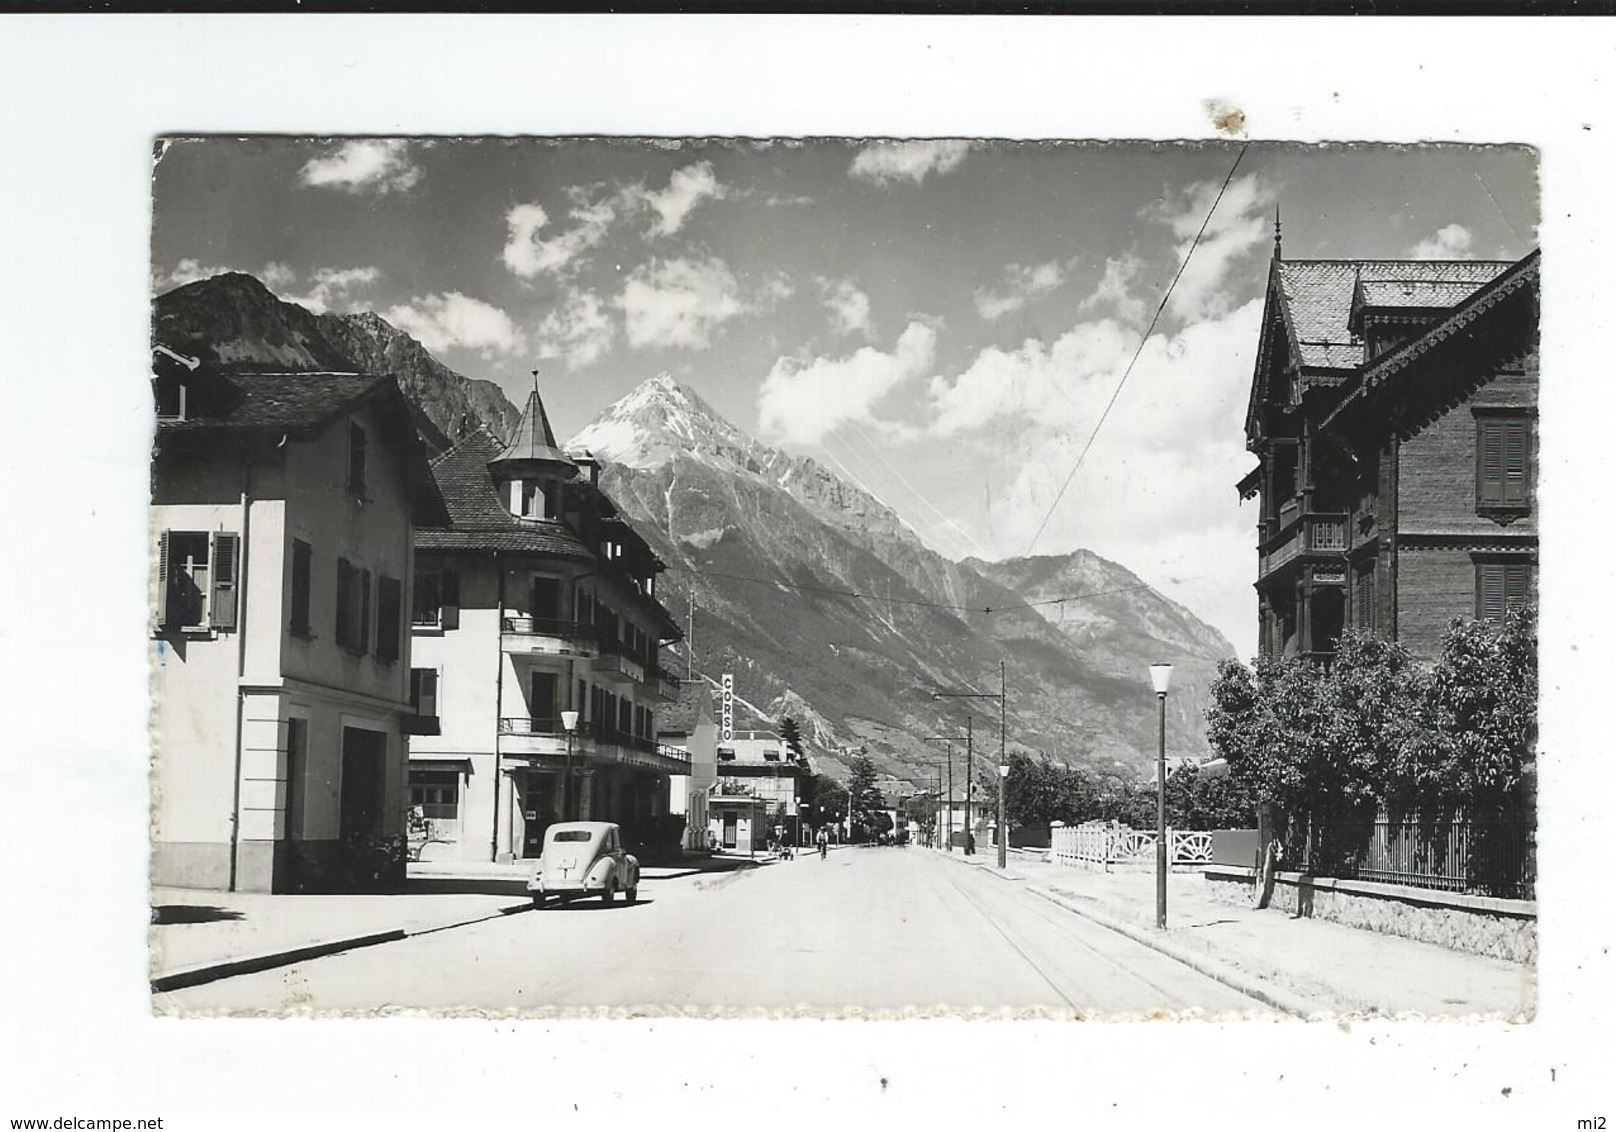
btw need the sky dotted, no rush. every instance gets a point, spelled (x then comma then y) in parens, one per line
(941, 322)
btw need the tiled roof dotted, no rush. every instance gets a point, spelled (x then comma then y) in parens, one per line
(1318, 298)
(1415, 293)
(478, 519)
(292, 401)
(534, 439)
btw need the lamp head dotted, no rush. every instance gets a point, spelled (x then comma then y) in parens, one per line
(1004, 770)
(1161, 675)
(569, 720)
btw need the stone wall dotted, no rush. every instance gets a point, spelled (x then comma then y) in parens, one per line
(1481, 925)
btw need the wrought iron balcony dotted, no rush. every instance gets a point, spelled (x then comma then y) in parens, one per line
(546, 635)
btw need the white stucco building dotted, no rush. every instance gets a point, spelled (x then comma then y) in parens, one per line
(535, 600)
(282, 507)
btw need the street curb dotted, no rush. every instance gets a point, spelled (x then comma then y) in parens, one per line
(1212, 968)
(212, 972)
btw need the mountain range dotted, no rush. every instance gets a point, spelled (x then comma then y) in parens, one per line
(773, 547)
(234, 320)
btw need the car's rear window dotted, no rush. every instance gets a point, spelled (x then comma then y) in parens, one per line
(573, 835)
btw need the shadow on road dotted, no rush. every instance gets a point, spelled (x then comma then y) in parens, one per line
(192, 914)
(592, 904)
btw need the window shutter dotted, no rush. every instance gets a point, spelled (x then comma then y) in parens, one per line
(163, 581)
(429, 692)
(451, 599)
(389, 599)
(225, 555)
(1489, 590)
(302, 560)
(1489, 463)
(1516, 581)
(344, 603)
(363, 643)
(1513, 463)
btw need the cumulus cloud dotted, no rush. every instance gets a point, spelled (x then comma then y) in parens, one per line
(1019, 284)
(848, 305)
(803, 401)
(278, 276)
(451, 319)
(1238, 227)
(679, 302)
(1114, 291)
(883, 162)
(1451, 242)
(1171, 450)
(687, 188)
(527, 254)
(371, 165)
(579, 331)
(325, 287)
(186, 271)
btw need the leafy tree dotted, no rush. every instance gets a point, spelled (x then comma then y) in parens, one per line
(865, 799)
(824, 800)
(1197, 802)
(921, 809)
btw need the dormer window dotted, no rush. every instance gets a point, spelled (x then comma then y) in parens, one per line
(535, 498)
(171, 400)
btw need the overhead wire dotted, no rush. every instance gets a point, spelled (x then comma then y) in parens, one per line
(1143, 339)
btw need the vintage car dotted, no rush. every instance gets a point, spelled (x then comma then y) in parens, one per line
(584, 858)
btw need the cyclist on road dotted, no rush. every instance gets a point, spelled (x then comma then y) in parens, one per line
(824, 844)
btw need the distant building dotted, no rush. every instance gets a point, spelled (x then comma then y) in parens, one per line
(1394, 414)
(533, 600)
(756, 764)
(694, 732)
(282, 508)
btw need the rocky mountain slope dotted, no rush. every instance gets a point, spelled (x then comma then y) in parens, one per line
(771, 544)
(233, 319)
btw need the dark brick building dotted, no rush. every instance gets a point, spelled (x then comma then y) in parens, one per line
(1393, 412)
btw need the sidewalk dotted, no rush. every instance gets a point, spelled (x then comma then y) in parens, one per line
(1306, 966)
(198, 936)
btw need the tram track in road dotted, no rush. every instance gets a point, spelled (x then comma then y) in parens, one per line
(1071, 930)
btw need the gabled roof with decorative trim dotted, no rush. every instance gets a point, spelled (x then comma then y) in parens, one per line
(1318, 298)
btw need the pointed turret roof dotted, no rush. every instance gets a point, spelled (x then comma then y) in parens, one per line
(533, 440)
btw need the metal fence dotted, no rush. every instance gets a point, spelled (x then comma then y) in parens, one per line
(1454, 854)
(1104, 844)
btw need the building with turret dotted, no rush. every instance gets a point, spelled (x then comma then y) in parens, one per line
(1393, 412)
(538, 671)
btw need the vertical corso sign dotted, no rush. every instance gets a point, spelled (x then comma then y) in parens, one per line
(727, 725)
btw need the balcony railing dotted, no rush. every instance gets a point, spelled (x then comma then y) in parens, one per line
(662, 682)
(533, 725)
(1319, 532)
(545, 627)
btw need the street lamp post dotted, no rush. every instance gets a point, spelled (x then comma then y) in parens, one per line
(1161, 675)
(569, 724)
(1003, 839)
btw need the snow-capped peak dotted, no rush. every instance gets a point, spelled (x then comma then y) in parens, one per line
(656, 420)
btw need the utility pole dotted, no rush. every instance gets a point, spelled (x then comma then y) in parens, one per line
(1003, 837)
(690, 636)
(970, 783)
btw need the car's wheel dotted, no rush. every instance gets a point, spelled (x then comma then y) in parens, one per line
(631, 894)
(608, 895)
(538, 901)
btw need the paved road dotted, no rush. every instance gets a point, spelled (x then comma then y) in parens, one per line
(879, 929)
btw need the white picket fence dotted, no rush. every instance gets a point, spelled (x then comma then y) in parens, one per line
(1100, 845)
